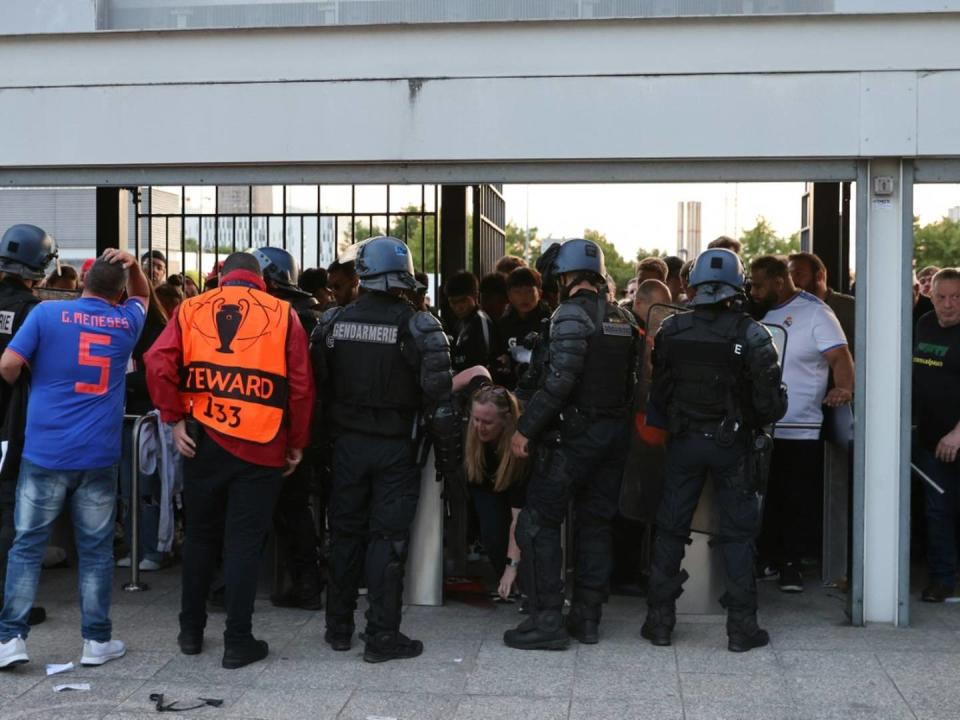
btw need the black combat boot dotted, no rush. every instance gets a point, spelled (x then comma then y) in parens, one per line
(743, 633)
(543, 630)
(306, 591)
(583, 623)
(240, 653)
(658, 627)
(338, 636)
(390, 645)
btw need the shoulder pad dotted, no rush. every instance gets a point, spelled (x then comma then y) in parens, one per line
(571, 321)
(679, 321)
(569, 312)
(423, 322)
(325, 323)
(625, 314)
(757, 334)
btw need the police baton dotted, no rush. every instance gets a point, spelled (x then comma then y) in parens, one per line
(927, 479)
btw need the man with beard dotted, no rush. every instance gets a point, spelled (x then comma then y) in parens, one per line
(816, 346)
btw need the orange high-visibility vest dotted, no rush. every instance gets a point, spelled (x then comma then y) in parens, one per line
(234, 376)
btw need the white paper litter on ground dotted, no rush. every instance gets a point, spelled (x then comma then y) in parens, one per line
(380, 717)
(54, 668)
(71, 686)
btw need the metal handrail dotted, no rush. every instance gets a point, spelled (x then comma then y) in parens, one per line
(135, 585)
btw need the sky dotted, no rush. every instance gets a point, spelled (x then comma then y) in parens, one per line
(635, 216)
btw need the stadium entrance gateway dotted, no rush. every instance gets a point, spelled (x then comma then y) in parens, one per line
(453, 104)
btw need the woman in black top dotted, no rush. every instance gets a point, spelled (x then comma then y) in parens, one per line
(496, 478)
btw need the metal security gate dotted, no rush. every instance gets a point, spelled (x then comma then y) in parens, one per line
(197, 226)
(489, 220)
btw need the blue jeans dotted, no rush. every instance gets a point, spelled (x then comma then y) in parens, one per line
(41, 495)
(941, 516)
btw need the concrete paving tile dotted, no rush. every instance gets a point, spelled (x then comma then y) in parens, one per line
(311, 674)
(825, 662)
(863, 692)
(799, 637)
(136, 664)
(414, 675)
(206, 668)
(622, 683)
(625, 708)
(403, 706)
(185, 694)
(742, 691)
(495, 654)
(761, 661)
(523, 677)
(905, 639)
(635, 656)
(487, 707)
(281, 704)
(727, 711)
(15, 682)
(700, 635)
(42, 701)
(926, 681)
(701, 619)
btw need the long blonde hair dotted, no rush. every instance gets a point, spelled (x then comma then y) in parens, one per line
(511, 468)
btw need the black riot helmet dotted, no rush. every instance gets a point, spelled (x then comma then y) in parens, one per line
(26, 251)
(278, 266)
(582, 259)
(579, 255)
(717, 275)
(385, 262)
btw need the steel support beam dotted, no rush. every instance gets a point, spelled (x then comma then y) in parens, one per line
(881, 478)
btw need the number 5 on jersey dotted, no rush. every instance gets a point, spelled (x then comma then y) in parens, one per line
(87, 341)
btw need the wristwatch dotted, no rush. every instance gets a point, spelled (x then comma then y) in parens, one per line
(513, 562)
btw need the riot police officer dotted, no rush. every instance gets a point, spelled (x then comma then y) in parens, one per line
(383, 373)
(25, 253)
(716, 383)
(576, 425)
(294, 525)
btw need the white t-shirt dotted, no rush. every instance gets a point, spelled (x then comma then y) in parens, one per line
(812, 329)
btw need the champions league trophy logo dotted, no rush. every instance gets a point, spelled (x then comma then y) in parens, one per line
(228, 318)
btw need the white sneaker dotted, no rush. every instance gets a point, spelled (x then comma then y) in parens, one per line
(97, 653)
(13, 652)
(146, 565)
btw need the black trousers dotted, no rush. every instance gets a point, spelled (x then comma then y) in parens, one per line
(494, 516)
(293, 522)
(691, 458)
(373, 500)
(229, 507)
(586, 466)
(793, 507)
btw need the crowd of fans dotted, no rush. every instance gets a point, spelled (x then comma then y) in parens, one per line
(493, 323)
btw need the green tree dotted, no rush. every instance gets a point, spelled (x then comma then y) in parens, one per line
(644, 253)
(937, 243)
(621, 270)
(516, 243)
(762, 239)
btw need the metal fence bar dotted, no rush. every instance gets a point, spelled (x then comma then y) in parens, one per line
(135, 585)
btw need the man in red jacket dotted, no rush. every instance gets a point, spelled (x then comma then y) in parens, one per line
(232, 375)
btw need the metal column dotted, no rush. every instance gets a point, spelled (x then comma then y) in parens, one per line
(882, 443)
